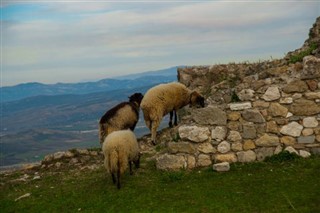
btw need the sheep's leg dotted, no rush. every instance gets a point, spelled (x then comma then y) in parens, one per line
(170, 122)
(118, 172)
(130, 167)
(113, 178)
(118, 179)
(154, 127)
(175, 118)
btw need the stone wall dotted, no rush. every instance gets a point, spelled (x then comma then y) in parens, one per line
(253, 111)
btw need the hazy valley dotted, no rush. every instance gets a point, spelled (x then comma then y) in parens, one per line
(37, 122)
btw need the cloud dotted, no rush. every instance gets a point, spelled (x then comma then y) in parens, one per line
(122, 37)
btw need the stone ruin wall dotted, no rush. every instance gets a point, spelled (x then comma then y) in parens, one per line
(253, 111)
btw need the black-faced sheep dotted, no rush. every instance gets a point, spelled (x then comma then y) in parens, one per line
(167, 98)
(123, 116)
(120, 148)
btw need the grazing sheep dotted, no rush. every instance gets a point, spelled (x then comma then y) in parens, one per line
(123, 116)
(120, 148)
(167, 98)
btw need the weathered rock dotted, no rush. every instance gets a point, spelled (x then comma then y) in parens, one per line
(206, 148)
(219, 133)
(304, 154)
(249, 131)
(194, 133)
(288, 140)
(296, 86)
(246, 156)
(229, 157)
(286, 100)
(271, 94)
(296, 96)
(47, 158)
(304, 107)
(237, 146)
(311, 68)
(234, 125)
(83, 151)
(312, 84)
(234, 116)
(292, 129)
(278, 149)
(183, 147)
(246, 94)
(248, 144)
(312, 95)
(204, 160)
(267, 140)
(307, 132)
(253, 116)
(272, 127)
(310, 122)
(234, 136)
(261, 104)
(276, 109)
(290, 149)
(221, 167)
(58, 155)
(170, 162)
(264, 152)
(209, 116)
(240, 106)
(191, 162)
(307, 139)
(223, 147)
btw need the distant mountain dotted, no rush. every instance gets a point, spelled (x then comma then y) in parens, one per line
(165, 72)
(35, 126)
(26, 90)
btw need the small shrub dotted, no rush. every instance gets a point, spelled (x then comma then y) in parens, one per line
(169, 177)
(299, 57)
(234, 97)
(176, 137)
(158, 148)
(282, 157)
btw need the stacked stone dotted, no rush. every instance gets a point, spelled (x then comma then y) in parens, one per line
(76, 157)
(281, 111)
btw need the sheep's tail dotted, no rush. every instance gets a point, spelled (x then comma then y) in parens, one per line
(118, 161)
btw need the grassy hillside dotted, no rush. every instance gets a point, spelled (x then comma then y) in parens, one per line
(289, 186)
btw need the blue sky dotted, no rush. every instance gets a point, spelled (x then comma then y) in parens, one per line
(72, 41)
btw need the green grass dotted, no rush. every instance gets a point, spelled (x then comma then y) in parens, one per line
(279, 186)
(299, 57)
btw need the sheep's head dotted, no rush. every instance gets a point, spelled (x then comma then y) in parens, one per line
(196, 100)
(136, 97)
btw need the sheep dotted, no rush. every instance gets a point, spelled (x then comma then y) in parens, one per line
(120, 148)
(123, 116)
(167, 98)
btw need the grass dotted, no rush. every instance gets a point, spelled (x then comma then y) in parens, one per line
(299, 57)
(278, 186)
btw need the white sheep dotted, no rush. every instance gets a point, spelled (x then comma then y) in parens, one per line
(123, 116)
(166, 98)
(120, 148)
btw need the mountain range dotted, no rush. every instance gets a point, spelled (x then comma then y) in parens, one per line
(12, 93)
(37, 119)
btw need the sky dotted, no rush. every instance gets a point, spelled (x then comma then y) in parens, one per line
(52, 41)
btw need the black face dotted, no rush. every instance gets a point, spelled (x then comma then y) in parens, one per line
(136, 97)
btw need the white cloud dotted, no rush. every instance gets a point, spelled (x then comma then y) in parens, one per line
(114, 36)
